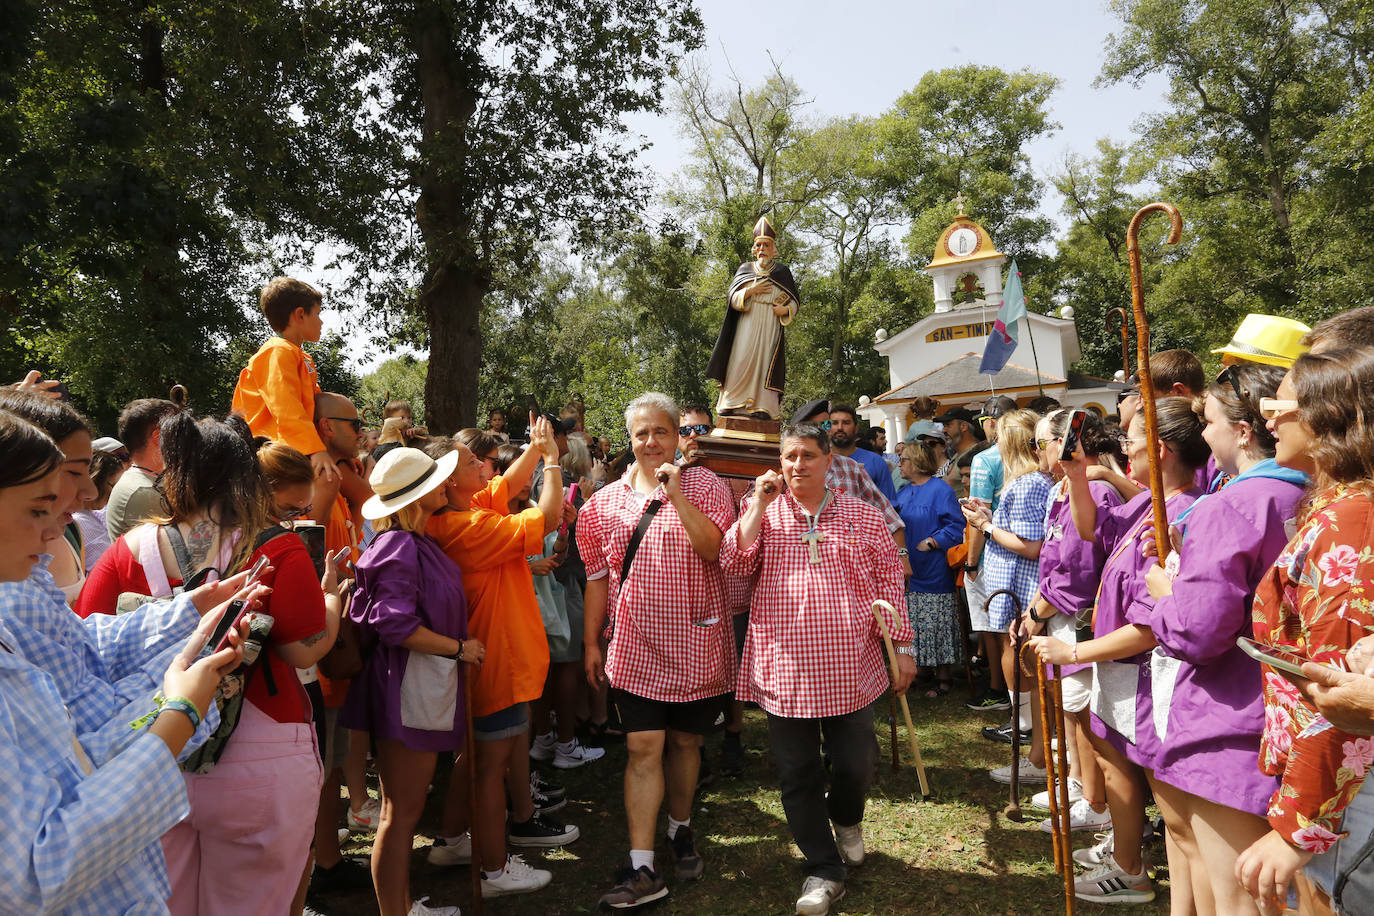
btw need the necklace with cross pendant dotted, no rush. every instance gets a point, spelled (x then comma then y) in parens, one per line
(812, 537)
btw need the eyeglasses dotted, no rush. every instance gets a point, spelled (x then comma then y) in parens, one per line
(1128, 441)
(292, 514)
(699, 429)
(1043, 444)
(1273, 408)
(823, 424)
(354, 422)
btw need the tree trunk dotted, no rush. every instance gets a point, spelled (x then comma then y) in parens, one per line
(456, 281)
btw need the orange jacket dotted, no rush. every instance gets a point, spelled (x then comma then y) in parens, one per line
(276, 395)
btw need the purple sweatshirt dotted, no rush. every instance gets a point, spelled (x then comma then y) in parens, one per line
(1070, 567)
(1123, 600)
(1216, 713)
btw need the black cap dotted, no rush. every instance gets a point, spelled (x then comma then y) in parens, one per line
(997, 405)
(561, 425)
(810, 409)
(957, 413)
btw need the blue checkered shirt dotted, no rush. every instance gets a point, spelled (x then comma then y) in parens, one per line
(78, 838)
(106, 668)
(1022, 512)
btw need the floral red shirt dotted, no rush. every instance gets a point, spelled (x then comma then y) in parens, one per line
(1316, 602)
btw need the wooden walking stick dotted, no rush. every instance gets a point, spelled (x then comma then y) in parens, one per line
(906, 710)
(1065, 828)
(1142, 361)
(892, 726)
(1123, 320)
(1062, 861)
(1013, 808)
(470, 749)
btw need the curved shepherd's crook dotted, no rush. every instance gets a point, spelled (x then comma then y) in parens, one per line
(1142, 359)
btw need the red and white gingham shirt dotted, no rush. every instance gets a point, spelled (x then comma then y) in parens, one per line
(813, 648)
(672, 638)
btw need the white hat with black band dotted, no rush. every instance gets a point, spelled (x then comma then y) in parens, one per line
(403, 476)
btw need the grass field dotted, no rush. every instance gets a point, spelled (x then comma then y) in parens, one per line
(952, 854)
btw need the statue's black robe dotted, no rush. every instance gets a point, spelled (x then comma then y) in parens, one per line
(720, 356)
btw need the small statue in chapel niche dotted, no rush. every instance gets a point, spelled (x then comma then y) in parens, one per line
(749, 359)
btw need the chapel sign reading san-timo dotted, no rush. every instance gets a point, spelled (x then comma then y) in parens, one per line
(960, 332)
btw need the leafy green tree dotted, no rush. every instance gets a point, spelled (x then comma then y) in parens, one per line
(399, 379)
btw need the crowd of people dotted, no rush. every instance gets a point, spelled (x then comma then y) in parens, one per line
(210, 628)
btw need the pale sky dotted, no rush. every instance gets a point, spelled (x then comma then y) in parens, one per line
(856, 57)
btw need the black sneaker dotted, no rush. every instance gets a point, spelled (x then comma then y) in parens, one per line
(1003, 734)
(542, 831)
(542, 786)
(732, 755)
(634, 887)
(346, 876)
(991, 701)
(687, 864)
(543, 804)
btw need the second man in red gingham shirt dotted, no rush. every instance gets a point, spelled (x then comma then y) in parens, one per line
(813, 656)
(670, 662)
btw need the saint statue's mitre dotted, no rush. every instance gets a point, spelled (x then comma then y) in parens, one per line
(764, 229)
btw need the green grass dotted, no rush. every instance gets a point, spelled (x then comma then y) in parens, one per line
(952, 854)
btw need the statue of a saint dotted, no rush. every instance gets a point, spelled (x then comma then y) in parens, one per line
(749, 359)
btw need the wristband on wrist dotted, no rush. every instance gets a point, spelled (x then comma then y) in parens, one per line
(182, 705)
(1075, 655)
(456, 656)
(903, 552)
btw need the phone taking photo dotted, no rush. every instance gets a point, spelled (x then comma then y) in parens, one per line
(233, 614)
(1278, 659)
(1073, 435)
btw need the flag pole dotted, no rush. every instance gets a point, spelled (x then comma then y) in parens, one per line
(1039, 382)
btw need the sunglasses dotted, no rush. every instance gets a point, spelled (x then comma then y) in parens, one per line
(1229, 373)
(354, 422)
(699, 429)
(290, 515)
(823, 424)
(1273, 408)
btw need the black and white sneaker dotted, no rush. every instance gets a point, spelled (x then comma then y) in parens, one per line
(1003, 734)
(543, 804)
(540, 785)
(991, 701)
(542, 831)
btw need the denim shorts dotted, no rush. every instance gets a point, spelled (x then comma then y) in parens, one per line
(504, 723)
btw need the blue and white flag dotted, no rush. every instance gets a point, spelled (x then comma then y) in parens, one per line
(1002, 340)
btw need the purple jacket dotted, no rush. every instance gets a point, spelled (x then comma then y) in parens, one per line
(1123, 600)
(404, 580)
(1070, 567)
(1216, 716)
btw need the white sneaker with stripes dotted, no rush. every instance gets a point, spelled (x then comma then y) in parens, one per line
(1110, 883)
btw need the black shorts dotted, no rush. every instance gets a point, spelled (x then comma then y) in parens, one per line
(696, 717)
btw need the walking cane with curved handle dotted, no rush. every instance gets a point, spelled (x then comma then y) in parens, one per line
(1013, 809)
(906, 710)
(1142, 361)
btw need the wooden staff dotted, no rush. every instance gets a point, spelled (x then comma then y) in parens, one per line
(892, 728)
(1065, 827)
(1122, 319)
(1013, 809)
(906, 710)
(1142, 351)
(470, 749)
(1063, 862)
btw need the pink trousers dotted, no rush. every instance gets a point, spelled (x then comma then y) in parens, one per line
(243, 847)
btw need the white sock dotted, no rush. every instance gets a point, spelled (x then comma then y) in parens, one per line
(493, 875)
(566, 746)
(674, 824)
(454, 840)
(547, 737)
(642, 858)
(1023, 713)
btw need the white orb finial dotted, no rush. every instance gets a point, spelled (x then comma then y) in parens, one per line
(1066, 313)
(865, 400)
(880, 335)
(1119, 376)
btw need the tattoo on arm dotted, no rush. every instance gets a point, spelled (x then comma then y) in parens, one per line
(311, 640)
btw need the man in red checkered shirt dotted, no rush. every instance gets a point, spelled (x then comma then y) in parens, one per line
(671, 655)
(813, 656)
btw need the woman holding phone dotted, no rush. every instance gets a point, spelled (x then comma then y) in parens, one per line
(1313, 602)
(82, 833)
(413, 626)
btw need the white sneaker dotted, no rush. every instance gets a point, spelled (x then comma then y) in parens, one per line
(1094, 855)
(343, 834)
(1110, 883)
(1041, 800)
(1082, 817)
(1028, 772)
(573, 754)
(418, 908)
(542, 747)
(367, 818)
(517, 878)
(851, 843)
(817, 895)
(443, 853)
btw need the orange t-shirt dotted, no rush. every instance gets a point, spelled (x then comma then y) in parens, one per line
(490, 548)
(276, 395)
(338, 533)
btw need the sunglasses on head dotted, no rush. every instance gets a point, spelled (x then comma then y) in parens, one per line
(354, 422)
(700, 429)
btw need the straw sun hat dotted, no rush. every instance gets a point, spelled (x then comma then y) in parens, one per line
(403, 476)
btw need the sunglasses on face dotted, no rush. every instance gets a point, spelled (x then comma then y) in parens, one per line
(823, 424)
(354, 422)
(699, 429)
(292, 514)
(1273, 408)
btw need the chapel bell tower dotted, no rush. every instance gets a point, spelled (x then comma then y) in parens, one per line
(965, 259)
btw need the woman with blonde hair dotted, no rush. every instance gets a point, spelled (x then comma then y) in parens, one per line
(1008, 542)
(413, 624)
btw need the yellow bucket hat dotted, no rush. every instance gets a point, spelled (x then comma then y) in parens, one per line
(1267, 339)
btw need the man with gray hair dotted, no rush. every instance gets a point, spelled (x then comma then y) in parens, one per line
(651, 545)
